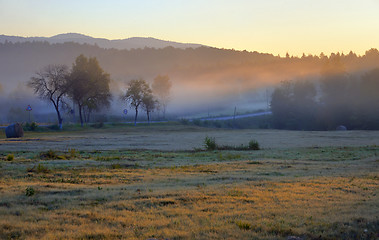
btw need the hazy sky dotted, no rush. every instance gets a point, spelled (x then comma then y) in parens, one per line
(275, 26)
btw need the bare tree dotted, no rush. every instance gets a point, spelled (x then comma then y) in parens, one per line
(161, 88)
(51, 84)
(135, 94)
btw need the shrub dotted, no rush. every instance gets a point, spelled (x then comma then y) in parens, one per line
(33, 126)
(29, 191)
(30, 126)
(116, 166)
(72, 153)
(39, 169)
(48, 155)
(243, 225)
(254, 145)
(210, 143)
(10, 157)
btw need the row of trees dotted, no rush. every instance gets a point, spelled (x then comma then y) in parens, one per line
(140, 94)
(87, 85)
(337, 99)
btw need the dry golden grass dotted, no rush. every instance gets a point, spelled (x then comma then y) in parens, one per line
(323, 192)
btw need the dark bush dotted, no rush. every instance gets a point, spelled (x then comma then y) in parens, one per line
(254, 145)
(30, 126)
(29, 191)
(210, 143)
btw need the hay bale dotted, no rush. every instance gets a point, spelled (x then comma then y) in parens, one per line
(14, 131)
(341, 128)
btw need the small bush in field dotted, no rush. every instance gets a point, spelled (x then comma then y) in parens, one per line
(48, 155)
(29, 191)
(254, 145)
(10, 157)
(72, 153)
(210, 143)
(243, 225)
(30, 126)
(40, 168)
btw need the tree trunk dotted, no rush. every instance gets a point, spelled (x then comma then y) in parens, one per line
(148, 117)
(60, 120)
(80, 115)
(135, 118)
(84, 115)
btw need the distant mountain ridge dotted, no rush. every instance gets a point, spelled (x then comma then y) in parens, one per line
(128, 43)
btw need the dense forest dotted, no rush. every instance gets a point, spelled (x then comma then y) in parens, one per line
(337, 100)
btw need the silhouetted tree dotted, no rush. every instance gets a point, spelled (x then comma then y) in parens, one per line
(335, 106)
(161, 88)
(89, 86)
(149, 103)
(281, 105)
(135, 94)
(51, 84)
(293, 105)
(366, 98)
(306, 108)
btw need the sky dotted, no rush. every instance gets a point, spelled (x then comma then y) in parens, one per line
(275, 26)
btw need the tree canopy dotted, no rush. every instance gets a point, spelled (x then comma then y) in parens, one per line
(341, 99)
(89, 86)
(139, 93)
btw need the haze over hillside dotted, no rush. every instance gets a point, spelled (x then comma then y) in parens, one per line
(204, 79)
(129, 43)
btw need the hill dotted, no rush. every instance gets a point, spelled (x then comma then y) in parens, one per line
(129, 43)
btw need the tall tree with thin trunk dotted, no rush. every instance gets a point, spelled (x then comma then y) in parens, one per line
(51, 84)
(135, 94)
(149, 103)
(161, 88)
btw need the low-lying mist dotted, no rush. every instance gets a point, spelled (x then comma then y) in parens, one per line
(205, 81)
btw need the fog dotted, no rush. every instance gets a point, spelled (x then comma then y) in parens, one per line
(205, 81)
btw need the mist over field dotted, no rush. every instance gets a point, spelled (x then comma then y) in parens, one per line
(189, 119)
(205, 80)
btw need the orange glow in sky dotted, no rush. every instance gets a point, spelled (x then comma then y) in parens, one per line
(277, 27)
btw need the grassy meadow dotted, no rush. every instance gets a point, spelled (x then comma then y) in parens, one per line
(158, 182)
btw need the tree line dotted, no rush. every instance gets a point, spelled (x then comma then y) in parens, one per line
(336, 99)
(86, 84)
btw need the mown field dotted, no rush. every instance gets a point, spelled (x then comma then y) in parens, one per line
(157, 182)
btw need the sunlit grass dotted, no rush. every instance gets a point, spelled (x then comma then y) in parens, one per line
(309, 192)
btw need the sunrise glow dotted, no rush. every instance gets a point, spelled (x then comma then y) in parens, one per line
(276, 27)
